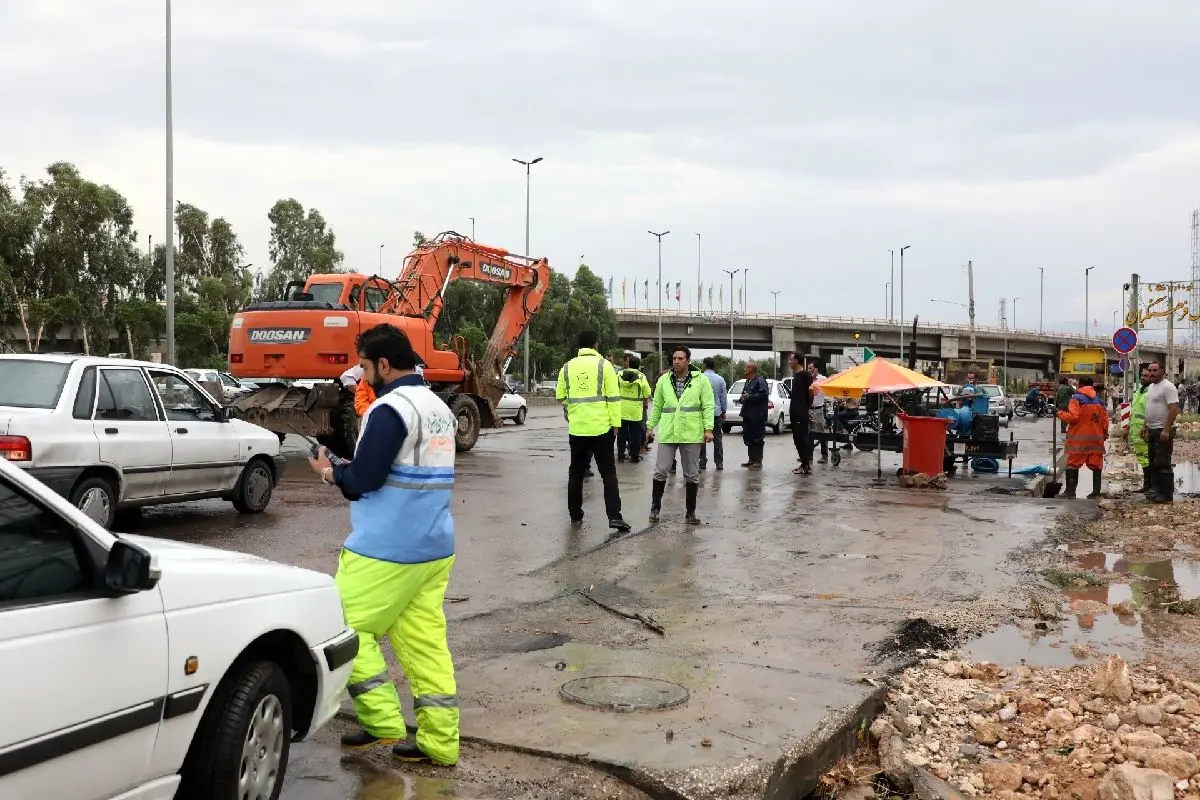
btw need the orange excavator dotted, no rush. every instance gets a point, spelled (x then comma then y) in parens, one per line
(297, 348)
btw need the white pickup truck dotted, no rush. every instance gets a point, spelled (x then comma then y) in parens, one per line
(139, 669)
(109, 433)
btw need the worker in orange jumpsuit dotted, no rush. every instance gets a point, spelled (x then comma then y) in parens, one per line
(1087, 429)
(364, 395)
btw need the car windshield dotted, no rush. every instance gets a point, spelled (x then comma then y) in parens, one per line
(990, 391)
(32, 384)
(737, 387)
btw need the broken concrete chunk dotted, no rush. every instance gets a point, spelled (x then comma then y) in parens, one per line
(1125, 782)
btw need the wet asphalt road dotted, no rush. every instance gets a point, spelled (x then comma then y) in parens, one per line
(516, 550)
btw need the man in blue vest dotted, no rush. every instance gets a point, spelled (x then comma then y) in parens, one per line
(395, 565)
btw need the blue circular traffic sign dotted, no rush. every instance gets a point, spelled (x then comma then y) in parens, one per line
(1123, 365)
(1125, 340)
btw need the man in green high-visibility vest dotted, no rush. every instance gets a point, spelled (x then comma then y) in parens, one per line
(591, 397)
(684, 412)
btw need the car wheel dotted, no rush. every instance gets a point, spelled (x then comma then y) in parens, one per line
(240, 751)
(726, 427)
(520, 418)
(254, 488)
(96, 498)
(777, 428)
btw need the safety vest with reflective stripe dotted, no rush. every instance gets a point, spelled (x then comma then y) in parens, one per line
(1087, 423)
(407, 520)
(587, 386)
(635, 391)
(684, 419)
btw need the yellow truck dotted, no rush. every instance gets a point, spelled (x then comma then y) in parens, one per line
(1076, 362)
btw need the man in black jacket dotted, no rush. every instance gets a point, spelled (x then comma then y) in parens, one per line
(802, 382)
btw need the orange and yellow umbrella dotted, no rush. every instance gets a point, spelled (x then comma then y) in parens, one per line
(874, 377)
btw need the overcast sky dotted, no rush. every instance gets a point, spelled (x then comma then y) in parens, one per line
(801, 140)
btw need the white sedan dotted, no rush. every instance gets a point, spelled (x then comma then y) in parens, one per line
(512, 406)
(778, 400)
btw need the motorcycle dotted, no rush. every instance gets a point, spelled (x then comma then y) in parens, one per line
(1023, 409)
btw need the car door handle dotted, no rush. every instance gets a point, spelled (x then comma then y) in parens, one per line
(111, 431)
(181, 430)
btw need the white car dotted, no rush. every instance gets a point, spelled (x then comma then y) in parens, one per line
(998, 403)
(193, 668)
(231, 387)
(778, 401)
(512, 406)
(111, 434)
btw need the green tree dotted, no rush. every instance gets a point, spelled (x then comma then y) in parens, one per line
(301, 245)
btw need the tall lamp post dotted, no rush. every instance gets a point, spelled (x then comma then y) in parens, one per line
(170, 252)
(473, 230)
(891, 303)
(659, 236)
(1041, 296)
(528, 168)
(698, 273)
(775, 296)
(745, 289)
(731, 273)
(902, 249)
(887, 300)
(1087, 313)
(380, 259)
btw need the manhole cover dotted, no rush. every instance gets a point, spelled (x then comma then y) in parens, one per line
(624, 693)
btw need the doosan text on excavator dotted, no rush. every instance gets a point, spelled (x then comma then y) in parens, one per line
(310, 335)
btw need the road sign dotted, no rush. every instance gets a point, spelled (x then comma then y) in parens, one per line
(1125, 340)
(859, 355)
(1123, 365)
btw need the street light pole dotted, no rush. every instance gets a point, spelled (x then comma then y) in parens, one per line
(775, 296)
(1041, 295)
(731, 273)
(170, 253)
(380, 259)
(473, 230)
(698, 273)
(1087, 314)
(659, 236)
(902, 249)
(887, 300)
(891, 304)
(528, 168)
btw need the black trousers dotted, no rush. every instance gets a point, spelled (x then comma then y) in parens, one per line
(583, 450)
(1160, 455)
(631, 436)
(801, 439)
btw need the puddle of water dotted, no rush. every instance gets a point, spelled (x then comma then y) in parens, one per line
(1091, 626)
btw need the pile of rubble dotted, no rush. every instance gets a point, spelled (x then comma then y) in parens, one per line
(1144, 527)
(921, 480)
(1103, 732)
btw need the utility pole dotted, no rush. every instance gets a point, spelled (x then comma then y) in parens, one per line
(971, 306)
(1134, 320)
(745, 289)
(380, 260)
(775, 296)
(170, 254)
(528, 169)
(659, 236)
(902, 249)
(698, 281)
(730, 273)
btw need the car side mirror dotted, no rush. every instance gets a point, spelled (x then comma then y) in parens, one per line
(129, 569)
(220, 414)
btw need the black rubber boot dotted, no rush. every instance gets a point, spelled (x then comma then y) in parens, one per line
(656, 494)
(690, 490)
(756, 456)
(1145, 481)
(1072, 484)
(1163, 490)
(1096, 478)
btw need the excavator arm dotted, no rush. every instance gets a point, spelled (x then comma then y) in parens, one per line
(420, 289)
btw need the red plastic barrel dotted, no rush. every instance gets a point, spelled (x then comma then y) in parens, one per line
(924, 443)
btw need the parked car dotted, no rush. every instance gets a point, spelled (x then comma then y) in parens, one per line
(512, 406)
(231, 387)
(777, 406)
(198, 666)
(515, 386)
(111, 433)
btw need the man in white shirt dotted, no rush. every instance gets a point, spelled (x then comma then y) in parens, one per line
(1162, 408)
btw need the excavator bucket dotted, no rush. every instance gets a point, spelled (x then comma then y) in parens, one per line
(291, 409)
